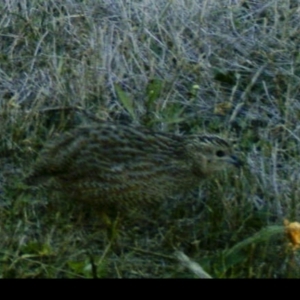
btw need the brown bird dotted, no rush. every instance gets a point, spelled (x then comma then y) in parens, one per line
(122, 164)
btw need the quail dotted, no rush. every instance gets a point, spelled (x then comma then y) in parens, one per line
(117, 164)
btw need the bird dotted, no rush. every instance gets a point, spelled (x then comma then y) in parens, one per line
(115, 164)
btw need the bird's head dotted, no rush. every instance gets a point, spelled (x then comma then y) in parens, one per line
(209, 153)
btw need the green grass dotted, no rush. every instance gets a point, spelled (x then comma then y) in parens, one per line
(224, 67)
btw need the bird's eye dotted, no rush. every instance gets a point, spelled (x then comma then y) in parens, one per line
(220, 153)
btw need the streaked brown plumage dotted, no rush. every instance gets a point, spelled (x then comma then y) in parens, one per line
(121, 164)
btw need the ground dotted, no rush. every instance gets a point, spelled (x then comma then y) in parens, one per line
(223, 67)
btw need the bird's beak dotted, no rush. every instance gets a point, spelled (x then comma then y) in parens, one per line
(235, 161)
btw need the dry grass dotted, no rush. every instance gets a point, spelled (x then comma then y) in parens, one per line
(228, 67)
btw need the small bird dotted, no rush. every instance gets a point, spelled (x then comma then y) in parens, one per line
(120, 165)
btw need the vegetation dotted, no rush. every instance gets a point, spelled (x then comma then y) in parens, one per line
(225, 67)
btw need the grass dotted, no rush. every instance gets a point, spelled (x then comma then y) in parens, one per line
(225, 67)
